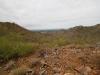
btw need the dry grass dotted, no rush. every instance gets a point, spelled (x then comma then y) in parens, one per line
(19, 71)
(33, 62)
(9, 65)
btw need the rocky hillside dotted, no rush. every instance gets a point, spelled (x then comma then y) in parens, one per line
(7, 28)
(49, 53)
(15, 41)
(78, 34)
(63, 60)
(82, 32)
(87, 34)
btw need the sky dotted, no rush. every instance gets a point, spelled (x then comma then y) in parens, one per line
(50, 14)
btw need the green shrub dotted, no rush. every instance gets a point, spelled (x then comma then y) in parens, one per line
(14, 49)
(59, 42)
(78, 41)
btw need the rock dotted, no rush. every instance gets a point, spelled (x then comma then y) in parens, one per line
(17, 65)
(45, 56)
(30, 72)
(42, 61)
(94, 52)
(22, 60)
(0, 67)
(92, 74)
(57, 70)
(85, 70)
(27, 61)
(56, 74)
(68, 74)
(8, 71)
(95, 72)
(43, 64)
(43, 71)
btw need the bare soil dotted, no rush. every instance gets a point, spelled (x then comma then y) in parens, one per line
(64, 59)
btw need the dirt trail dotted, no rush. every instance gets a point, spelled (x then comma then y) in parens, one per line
(63, 60)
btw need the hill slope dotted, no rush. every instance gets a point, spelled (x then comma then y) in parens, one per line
(89, 34)
(14, 38)
(7, 28)
(79, 34)
(15, 41)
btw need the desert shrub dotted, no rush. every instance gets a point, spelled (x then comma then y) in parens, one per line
(23, 49)
(19, 71)
(9, 65)
(59, 42)
(14, 49)
(78, 41)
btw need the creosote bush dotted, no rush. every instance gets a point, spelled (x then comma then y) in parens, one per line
(14, 49)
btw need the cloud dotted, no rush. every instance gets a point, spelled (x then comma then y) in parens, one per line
(50, 14)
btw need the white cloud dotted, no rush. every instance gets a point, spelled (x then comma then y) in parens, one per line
(48, 14)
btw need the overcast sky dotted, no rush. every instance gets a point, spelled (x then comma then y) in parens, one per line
(50, 14)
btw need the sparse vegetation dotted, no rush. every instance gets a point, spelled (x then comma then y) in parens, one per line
(84, 35)
(9, 65)
(78, 41)
(59, 42)
(14, 49)
(16, 42)
(33, 62)
(19, 71)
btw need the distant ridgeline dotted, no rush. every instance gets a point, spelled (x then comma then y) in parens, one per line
(47, 30)
(77, 35)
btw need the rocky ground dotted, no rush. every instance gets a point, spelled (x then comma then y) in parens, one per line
(63, 60)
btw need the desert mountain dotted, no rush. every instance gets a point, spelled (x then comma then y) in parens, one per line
(62, 52)
(7, 28)
(85, 34)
